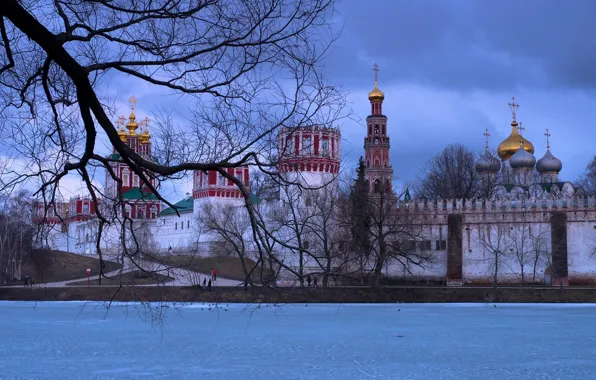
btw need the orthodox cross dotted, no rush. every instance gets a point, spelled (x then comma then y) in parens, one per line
(486, 136)
(145, 121)
(376, 70)
(547, 139)
(133, 101)
(521, 128)
(513, 106)
(121, 120)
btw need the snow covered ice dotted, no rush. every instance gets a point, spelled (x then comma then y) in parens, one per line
(78, 340)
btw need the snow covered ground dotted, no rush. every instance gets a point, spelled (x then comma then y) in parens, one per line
(76, 340)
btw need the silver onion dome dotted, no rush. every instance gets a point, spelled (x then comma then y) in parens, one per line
(487, 163)
(522, 159)
(549, 163)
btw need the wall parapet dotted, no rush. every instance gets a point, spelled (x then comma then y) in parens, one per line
(450, 206)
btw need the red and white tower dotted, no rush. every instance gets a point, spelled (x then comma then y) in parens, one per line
(212, 185)
(310, 155)
(140, 202)
(379, 172)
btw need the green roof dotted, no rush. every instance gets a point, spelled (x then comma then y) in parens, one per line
(254, 199)
(116, 156)
(184, 206)
(137, 194)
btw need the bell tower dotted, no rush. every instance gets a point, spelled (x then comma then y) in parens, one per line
(379, 172)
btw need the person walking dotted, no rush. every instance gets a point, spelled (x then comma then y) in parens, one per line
(209, 285)
(26, 278)
(308, 280)
(205, 282)
(214, 275)
(314, 281)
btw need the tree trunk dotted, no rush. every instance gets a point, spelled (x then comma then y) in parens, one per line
(496, 270)
(301, 269)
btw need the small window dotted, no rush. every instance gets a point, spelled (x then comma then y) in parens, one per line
(188, 224)
(308, 202)
(306, 244)
(127, 210)
(181, 225)
(424, 245)
(408, 245)
(154, 212)
(176, 225)
(125, 178)
(440, 245)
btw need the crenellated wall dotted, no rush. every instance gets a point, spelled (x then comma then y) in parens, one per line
(491, 241)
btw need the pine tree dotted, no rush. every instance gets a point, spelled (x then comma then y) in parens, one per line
(359, 211)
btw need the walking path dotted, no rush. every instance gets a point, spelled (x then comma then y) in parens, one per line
(182, 277)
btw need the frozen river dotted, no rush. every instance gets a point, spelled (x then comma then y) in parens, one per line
(420, 341)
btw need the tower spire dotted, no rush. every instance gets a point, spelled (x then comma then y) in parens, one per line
(376, 70)
(513, 107)
(133, 101)
(521, 129)
(486, 136)
(547, 134)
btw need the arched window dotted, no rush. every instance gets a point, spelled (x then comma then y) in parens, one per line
(387, 186)
(377, 129)
(153, 212)
(135, 180)
(308, 202)
(377, 186)
(376, 140)
(127, 210)
(141, 212)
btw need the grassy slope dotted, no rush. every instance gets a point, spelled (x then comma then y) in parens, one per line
(227, 267)
(129, 278)
(53, 266)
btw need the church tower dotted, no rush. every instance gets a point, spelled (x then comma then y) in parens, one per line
(139, 201)
(378, 172)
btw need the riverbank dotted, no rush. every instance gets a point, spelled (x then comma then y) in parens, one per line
(308, 295)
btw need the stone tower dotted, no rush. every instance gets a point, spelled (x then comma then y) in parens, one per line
(379, 172)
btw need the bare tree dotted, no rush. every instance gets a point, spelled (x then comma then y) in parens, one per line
(16, 234)
(230, 228)
(539, 253)
(244, 67)
(521, 247)
(328, 234)
(588, 180)
(394, 234)
(450, 175)
(495, 240)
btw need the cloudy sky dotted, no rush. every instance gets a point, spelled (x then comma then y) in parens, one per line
(448, 70)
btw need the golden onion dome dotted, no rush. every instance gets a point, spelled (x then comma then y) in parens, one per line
(122, 134)
(132, 125)
(145, 136)
(376, 95)
(511, 144)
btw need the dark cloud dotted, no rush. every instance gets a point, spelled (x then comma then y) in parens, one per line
(487, 45)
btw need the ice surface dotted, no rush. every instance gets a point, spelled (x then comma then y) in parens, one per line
(421, 341)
